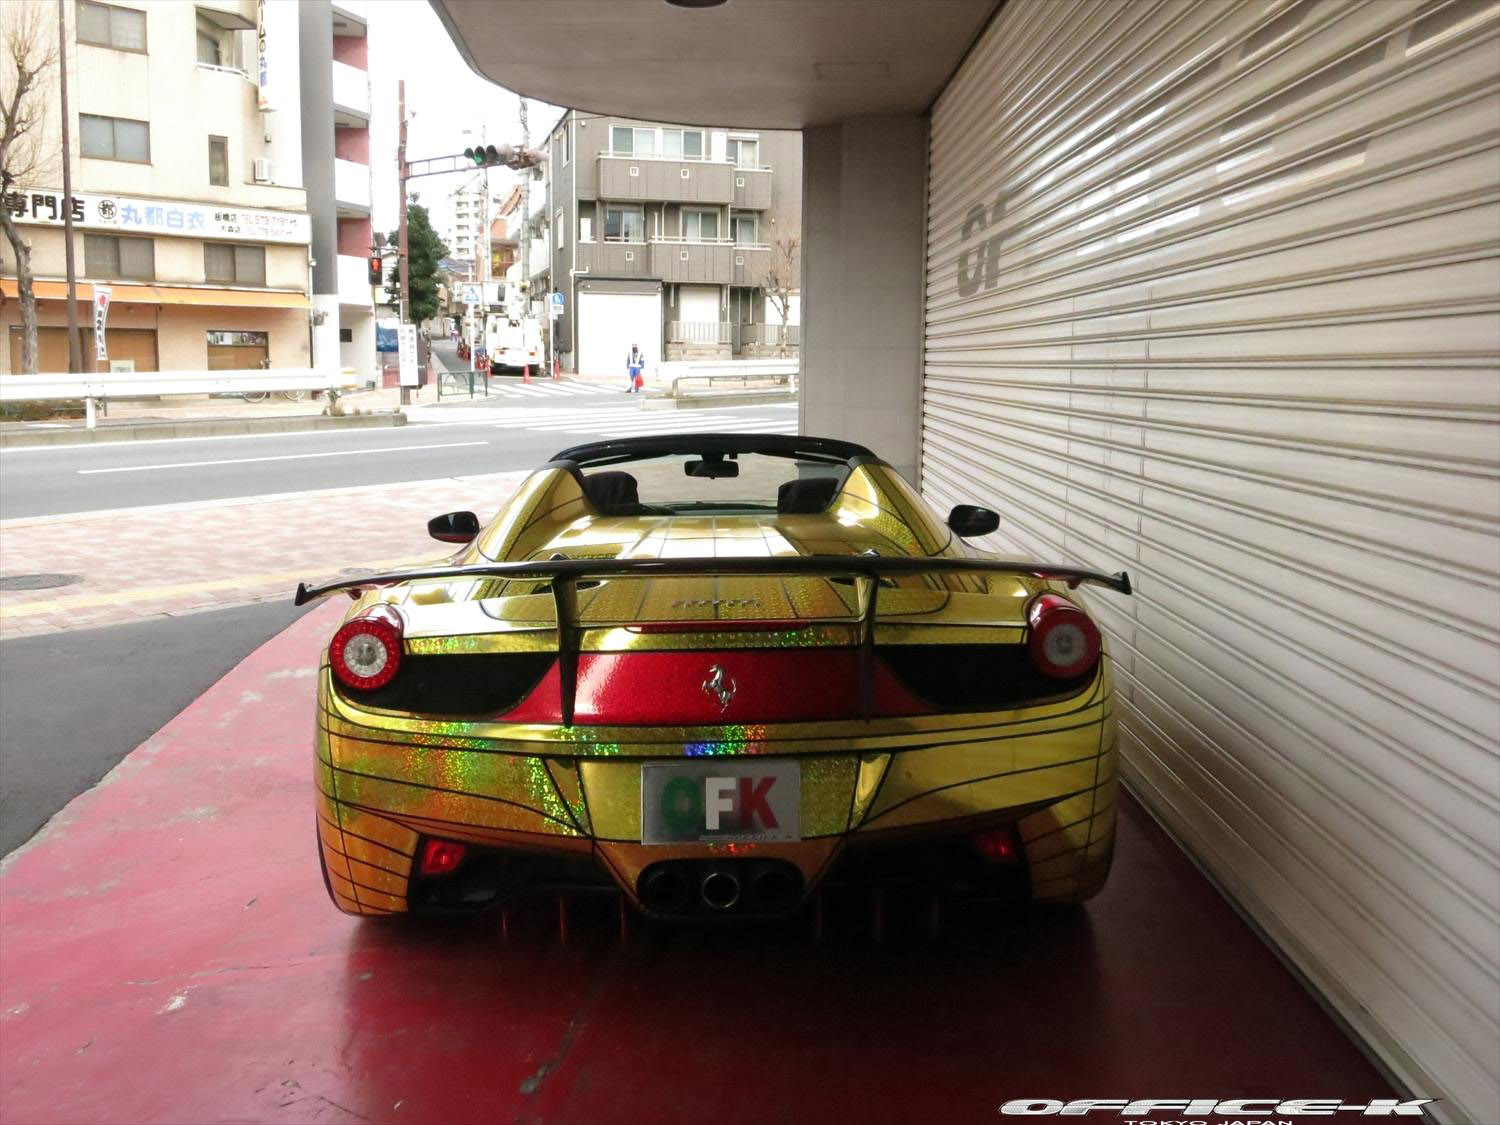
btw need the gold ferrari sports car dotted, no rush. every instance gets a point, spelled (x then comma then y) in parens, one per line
(714, 673)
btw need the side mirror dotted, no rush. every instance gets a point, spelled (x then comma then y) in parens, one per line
(967, 520)
(455, 527)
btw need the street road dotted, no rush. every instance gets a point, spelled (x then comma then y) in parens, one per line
(75, 703)
(441, 441)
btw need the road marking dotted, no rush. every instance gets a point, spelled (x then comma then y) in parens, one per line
(279, 457)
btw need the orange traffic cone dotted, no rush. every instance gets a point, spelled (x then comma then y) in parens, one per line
(557, 369)
(526, 373)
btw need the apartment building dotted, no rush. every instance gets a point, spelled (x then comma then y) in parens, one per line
(196, 143)
(663, 236)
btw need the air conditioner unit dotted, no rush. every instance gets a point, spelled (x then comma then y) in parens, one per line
(265, 171)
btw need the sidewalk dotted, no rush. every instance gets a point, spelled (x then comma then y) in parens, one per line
(182, 558)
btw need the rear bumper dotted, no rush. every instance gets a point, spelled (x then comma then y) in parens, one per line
(551, 807)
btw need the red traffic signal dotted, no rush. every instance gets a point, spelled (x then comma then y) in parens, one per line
(375, 269)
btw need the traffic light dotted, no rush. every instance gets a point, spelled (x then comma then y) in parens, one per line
(375, 269)
(493, 156)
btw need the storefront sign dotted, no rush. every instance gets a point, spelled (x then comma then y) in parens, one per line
(101, 314)
(262, 71)
(131, 215)
(406, 347)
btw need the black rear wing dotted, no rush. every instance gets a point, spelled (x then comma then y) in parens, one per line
(866, 569)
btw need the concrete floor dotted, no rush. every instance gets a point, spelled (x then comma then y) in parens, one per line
(170, 957)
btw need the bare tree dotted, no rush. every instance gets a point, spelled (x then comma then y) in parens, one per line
(28, 51)
(781, 280)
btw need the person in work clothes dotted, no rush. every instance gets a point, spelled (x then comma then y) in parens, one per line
(635, 363)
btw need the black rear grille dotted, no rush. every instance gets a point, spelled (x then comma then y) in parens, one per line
(976, 677)
(460, 684)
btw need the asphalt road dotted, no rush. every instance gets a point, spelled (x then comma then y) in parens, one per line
(74, 703)
(449, 441)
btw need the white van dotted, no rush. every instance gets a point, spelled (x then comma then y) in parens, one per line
(513, 343)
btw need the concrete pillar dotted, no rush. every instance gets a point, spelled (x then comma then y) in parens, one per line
(315, 29)
(864, 183)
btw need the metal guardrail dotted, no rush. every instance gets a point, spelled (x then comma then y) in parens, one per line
(93, 387)
(743, 378)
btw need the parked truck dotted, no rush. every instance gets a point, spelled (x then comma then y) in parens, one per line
(513, 343)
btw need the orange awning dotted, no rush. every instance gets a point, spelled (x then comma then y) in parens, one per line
(164, 295)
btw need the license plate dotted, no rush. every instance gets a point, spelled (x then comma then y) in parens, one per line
(713, 801)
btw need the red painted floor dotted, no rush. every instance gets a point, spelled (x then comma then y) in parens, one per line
(167, 954)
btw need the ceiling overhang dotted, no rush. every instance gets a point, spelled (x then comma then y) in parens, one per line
(762, 64)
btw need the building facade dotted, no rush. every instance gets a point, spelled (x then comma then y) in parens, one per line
(667, 237)
(193, 162)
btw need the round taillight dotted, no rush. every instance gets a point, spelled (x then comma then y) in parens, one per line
(1064, 643)
(366, 653)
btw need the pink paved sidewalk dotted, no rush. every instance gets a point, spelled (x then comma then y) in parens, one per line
(179, 558)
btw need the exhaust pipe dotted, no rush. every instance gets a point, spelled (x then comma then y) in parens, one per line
(664, 891)
(720, 890)
(773, 889)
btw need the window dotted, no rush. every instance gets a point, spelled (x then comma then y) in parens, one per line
(208, 48)
(682, 143)
(114, 138)
(235, 265)
(559, 230)
(626, 141)
(743, 228)
(218, 161)
(346, 335)
(623, 224)
(700, 226)
(564, 142)
(238, 351)
(744, 151)
(585, 228)
(107, 255)
(103, 25)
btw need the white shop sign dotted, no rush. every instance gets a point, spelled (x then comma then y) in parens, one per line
(133, 215)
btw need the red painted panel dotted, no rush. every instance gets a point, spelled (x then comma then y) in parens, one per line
(352, 142)
(354, 237)
(352, 49)
(753, 686)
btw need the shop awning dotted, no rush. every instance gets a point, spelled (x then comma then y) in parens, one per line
(165, 295)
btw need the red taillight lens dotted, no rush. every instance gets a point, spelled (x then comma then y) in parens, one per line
(366, 652)
(998, 846)
(1064, 643)
(441, 857)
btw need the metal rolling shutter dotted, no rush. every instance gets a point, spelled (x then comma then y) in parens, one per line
(1212, 295)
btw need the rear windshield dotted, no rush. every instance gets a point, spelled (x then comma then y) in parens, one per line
(735, 483)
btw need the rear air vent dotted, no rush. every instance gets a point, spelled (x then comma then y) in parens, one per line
(975, 677)
(458, 684)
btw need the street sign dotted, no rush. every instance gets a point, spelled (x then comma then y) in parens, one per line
(406, 349)
(471, 294)
(555, 305)
(101, 314)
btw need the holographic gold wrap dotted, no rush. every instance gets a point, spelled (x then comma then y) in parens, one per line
(385, 779)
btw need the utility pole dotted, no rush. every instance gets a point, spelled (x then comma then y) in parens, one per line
(401, 236)
(75, 351)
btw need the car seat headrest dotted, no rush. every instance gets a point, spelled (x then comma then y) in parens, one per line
(805, 496)
(613, 493)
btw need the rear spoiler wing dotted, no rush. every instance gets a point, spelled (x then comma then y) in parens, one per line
(867, 569)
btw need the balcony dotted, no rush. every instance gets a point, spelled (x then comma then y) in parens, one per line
(752, 189)
(710, 262)
(351, 187)
(615, 259)
(658, 178)
(351, 95)
(354, 281)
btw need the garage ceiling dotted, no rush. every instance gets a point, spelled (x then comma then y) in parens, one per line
(762, 64)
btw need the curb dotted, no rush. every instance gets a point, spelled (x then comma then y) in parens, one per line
(197, 427)
(732, 398)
